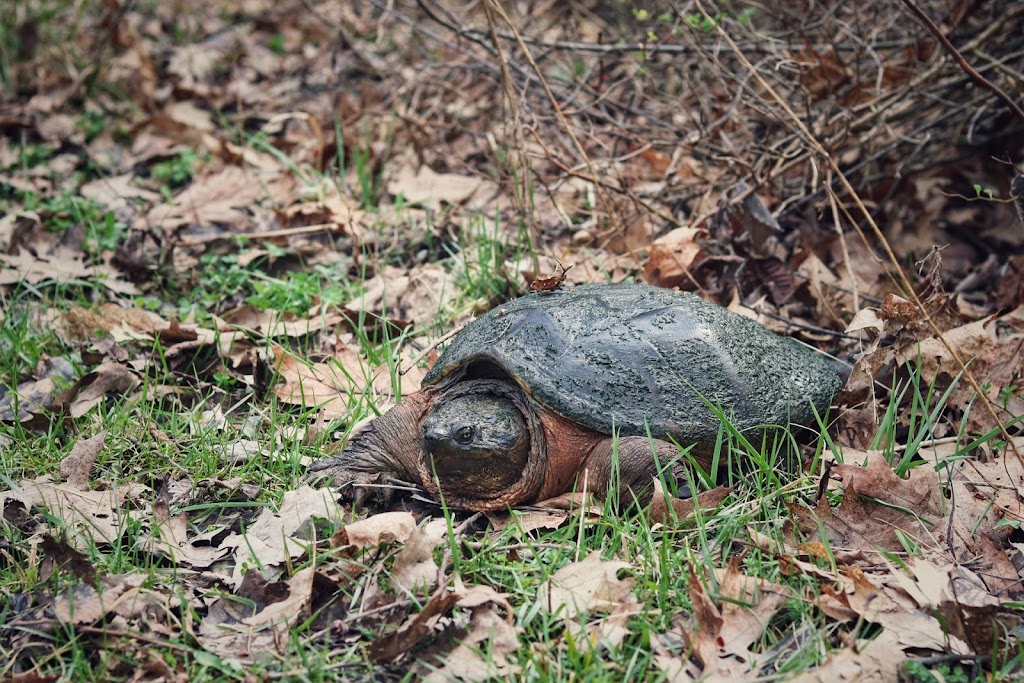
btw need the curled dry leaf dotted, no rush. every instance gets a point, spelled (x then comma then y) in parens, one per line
(115, 595)
(672, 257)
(329, 385)
(863, 597)
(414, 565)
(589, 585)
(242, 636)
(482, 654)
(387, 527)
(76, 468)
(727, 625)
(866, 319)
(219, 197)
(587, 588)
(272, 539)
(490, 631)
(60, 555)
(876, 659)
(170, 539)
(108, 379)
(405, 296)
(96, 515)
(878, 505)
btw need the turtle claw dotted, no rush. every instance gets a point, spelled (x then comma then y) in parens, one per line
(360, 488)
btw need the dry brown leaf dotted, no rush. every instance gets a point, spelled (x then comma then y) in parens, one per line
(406, 296)
(573, 500)
(724, 629)
(62, 263)
(188, 114)
(106, 380)
(169, 538)
(869, 661)
(998, 572)
(414, 566)
(220, 197)
(328, 385)
(877, 504)
(76, 467)
(672, 257)
(479, 600)
(489, 632)
(865, 597)
(122, 595)
(28, 400)
(527, 520)
(81, 324)
(387, 527)
(664, 507)
(98, 515)
(427, 188)
(866, 319)
(195, 65)
(276, 324)
(118, 193)
(271, 540)
(234, 635)
(919, 491)
(398, 643)
(675, 668)
(59, 555)
(590, 585)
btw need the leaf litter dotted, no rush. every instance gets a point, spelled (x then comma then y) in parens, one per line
(931, 558)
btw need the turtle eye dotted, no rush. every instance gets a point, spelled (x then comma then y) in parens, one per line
(464, 434)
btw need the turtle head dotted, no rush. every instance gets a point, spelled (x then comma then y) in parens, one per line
(477, 444)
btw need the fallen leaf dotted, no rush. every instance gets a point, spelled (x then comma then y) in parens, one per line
(664, 507)
(169, 538)
(218, 197)
(727, 625)
(414, 565)
(264, 632)
(92, 514)
(270, 541)
(107, 379)
(406, 296)
(425, 187)
(387, 527)
(76, 467)
(672, 257)
(589, 585)
(482, 654)
(490, 631)
(60, 555)
(875, 659)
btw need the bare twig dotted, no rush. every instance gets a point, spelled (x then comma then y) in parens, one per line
(995, 89)
(812, 140)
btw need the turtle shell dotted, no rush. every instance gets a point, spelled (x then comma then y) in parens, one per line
(631, 357)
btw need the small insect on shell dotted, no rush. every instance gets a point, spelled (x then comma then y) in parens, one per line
(550, 282)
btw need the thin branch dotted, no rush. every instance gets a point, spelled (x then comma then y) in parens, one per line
(900, 276)
(995, 89)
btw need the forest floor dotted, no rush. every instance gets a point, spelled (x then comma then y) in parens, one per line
(231, 232)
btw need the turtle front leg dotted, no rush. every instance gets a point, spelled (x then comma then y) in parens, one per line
(387, 449)
(638, 465)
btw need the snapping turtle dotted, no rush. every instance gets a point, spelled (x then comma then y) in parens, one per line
(526, 398)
